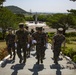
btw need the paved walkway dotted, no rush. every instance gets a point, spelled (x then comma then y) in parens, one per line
(31, 68)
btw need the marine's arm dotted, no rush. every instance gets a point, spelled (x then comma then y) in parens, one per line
(64, 44)
(52, 44)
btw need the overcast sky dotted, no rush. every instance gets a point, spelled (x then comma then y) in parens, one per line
(43, 5)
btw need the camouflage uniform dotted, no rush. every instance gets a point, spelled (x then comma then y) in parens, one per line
(40, 46)
(10, 41)
(22, 39)
(57, 46)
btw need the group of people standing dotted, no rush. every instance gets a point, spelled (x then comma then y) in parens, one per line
(25, 40)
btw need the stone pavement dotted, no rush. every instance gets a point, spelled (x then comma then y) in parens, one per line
(31, 68)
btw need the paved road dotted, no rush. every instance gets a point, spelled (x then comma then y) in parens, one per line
(31, 68)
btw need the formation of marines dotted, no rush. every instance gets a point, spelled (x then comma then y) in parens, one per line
(25, 40)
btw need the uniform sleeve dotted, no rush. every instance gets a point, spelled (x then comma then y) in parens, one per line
(33, 35)
(7, 39)
(16, 32)
(64, 38)
(28, 36)
(16, 36)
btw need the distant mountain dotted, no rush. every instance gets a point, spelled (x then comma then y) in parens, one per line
(17, 10)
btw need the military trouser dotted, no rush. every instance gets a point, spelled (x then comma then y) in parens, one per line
(40, 53)
(56, 55)
(11, 47)
(24, 48)
(28, 51)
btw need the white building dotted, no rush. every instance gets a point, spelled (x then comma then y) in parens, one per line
(32, 23)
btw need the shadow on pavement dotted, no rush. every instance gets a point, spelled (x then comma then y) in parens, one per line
(7, 62)
(36, 68)
(59, 59)
(57, 67)
(16, 68)
(34, 54)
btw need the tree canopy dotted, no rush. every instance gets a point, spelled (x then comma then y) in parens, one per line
(73, 0)
(7, 18)
(1, 1)
(64, 21)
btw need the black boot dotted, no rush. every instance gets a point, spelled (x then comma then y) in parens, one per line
(41, 61)
(24, 61)
(20, 61)
(13, 58)
(10, 56)
(37, 62)
(56, 62)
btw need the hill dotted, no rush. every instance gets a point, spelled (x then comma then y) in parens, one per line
(16, 10)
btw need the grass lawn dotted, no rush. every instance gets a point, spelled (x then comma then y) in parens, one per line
(72, 45)
(2, 44)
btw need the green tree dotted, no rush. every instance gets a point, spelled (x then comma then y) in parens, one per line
(72, 15)
(72, 11)
(20, 18)
(29, 18)
(60, 20)
(53, 20)
(1, 1)
(42, 17)
(7, 19)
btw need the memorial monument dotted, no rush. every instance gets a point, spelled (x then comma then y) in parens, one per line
(36, 18)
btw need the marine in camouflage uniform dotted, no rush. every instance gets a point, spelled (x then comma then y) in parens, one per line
(40, 45)
(10, 41)
(22, 37)
(57, 41)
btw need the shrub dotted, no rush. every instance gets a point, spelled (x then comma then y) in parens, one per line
(74, 58)
(3, 53)
(66, 51)
(71, 34)
(72, 38)
(49, 41)
(1, 35)
(50, 34)
(67, 40)
(69, 52)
